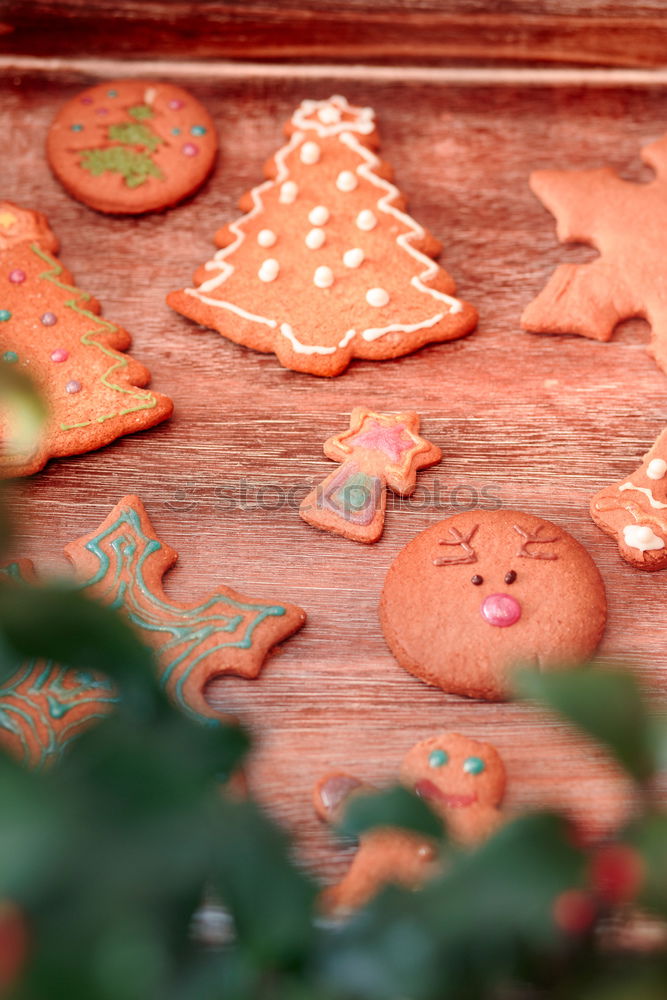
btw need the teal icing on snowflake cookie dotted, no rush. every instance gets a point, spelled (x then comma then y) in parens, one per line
(122, 564)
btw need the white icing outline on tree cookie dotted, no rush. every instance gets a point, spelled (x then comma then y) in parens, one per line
(364, 124)
(365, 170)
(656, 504)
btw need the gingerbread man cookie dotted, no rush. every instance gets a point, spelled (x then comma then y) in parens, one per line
(326, 265)
(634, 512)
(378, 450)
(627, 223)
(122, 563)
(132, 145)
(477, 594)
(52, 331)
(463, 781)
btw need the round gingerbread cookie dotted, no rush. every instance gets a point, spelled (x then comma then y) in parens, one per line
(132, 146)
(480, 592)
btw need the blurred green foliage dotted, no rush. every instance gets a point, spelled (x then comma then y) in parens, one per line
(107, 857)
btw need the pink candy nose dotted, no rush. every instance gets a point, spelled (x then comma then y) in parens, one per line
(500, 609)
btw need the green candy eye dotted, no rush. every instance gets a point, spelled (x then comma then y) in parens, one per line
(474, 765)
(437, 758)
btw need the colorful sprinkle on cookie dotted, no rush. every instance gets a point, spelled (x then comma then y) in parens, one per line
(117, 149)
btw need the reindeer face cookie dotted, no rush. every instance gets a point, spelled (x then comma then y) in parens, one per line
(482, 591)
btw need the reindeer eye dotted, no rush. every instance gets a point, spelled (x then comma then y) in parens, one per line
(477, 579)
(510, 577)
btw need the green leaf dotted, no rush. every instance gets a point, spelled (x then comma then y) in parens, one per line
(649, 836)
(59, 623)
(33, 832)
(270, 899)
(391, 807)
(24, 407)
(607, 704)
(628, 977)
(488, 921)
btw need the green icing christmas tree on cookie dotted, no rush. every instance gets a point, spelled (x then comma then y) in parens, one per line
(133, 158)
(131, 146)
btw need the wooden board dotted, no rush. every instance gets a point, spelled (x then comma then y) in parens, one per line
(543, 422)
(423, 32)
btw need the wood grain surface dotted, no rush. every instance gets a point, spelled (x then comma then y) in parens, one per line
(542, 422)
(601, 32)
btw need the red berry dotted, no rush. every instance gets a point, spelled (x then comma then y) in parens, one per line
(616, 873)
(574, 911)
(13, 943)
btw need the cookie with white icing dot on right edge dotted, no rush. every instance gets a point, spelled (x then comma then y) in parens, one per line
(483, 591)
(326, 265)
(634, 512)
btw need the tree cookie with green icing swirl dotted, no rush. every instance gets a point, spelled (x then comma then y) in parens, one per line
(132, 146)
(52, 331)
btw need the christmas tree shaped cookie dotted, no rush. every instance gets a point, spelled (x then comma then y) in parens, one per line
(627, 223)
(378, 450)
(326, 265)
(122, 563)
(634, 512)
(52, 331)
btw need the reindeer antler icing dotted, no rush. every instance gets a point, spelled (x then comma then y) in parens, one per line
(534, 538)
(469, 555)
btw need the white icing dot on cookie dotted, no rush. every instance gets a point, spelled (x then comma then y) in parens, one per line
(288, 192)
(310, 152)
(657, 468)
(315, 239)
(329, 115)
(319, 215)
(642, 537)
(269, 270)
(353, 258)
(346, 181)
(323, 277)
(266, 237)
(377, 297)
(366, 220)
